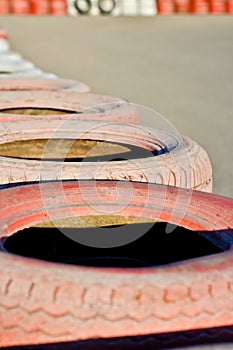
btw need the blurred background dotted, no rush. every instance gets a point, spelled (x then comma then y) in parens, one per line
(115, 7)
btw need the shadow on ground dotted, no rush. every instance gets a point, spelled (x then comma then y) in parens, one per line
(217, 338)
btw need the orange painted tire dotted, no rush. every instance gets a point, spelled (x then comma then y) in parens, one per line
(160, 157)
(77, 105)
(24, 84)
(44, 302)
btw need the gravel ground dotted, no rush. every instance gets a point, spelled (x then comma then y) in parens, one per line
(180, 66)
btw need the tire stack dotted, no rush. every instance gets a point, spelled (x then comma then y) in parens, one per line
(72, 157)
(35, 7)
(199, 7)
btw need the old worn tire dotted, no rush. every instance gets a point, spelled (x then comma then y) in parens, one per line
(15, 66)
(83, 10)
(44, 302)
(10, 56)
(82, 106)
(38, 84)
(103, 9)
(170, 159)
(33, 73)
(4, 45)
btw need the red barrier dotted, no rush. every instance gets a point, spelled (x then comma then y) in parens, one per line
(20, 7)
(217, 6)
(4, 8)
(229, 6)
(40, 7)
(183, 6)
(166, 7)
(58, 7)
(200, 7)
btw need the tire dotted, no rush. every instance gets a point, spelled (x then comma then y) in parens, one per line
(44, 302)
(38, 84)
(28, 73)
(158, 157)
(4, 45)
(14, 67)
(83, 10)
(102, 6)
(78, 106)
(33, 72)
(11, 56)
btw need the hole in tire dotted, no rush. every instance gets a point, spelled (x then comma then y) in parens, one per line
(36, 111)
(71, 150)
(155, 247)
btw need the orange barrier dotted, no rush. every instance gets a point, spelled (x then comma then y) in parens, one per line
(229, 6)
(183, 6)
(40, 7)
(217, 6)
(166, 7)
(58, 7)
(4, 7)
(20, 7)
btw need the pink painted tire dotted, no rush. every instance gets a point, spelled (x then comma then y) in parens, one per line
(44, 302)
(160, 157)
(3, 34)
(74, 105)
(31, 84)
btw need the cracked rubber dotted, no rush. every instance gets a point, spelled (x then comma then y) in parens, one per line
(178, 161)
(83, 106)
(44, 302)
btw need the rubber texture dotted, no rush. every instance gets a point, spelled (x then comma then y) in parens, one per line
(30, 84)
(179, 161)
(88, 106)
(80, 9)
(65, 303)
(102, 7)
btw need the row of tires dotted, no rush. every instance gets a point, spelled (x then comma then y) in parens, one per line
(57, 7)
(104, 6)
(195, 6)
(55, 132)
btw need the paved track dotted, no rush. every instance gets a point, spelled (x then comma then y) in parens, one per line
(180, 66)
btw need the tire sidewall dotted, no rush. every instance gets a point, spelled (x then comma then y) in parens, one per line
(101, 8)
(80, 10)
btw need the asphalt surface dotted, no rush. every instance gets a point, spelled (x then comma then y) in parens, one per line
(180, 66)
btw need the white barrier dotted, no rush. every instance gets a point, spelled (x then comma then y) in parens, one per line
(122, 8)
